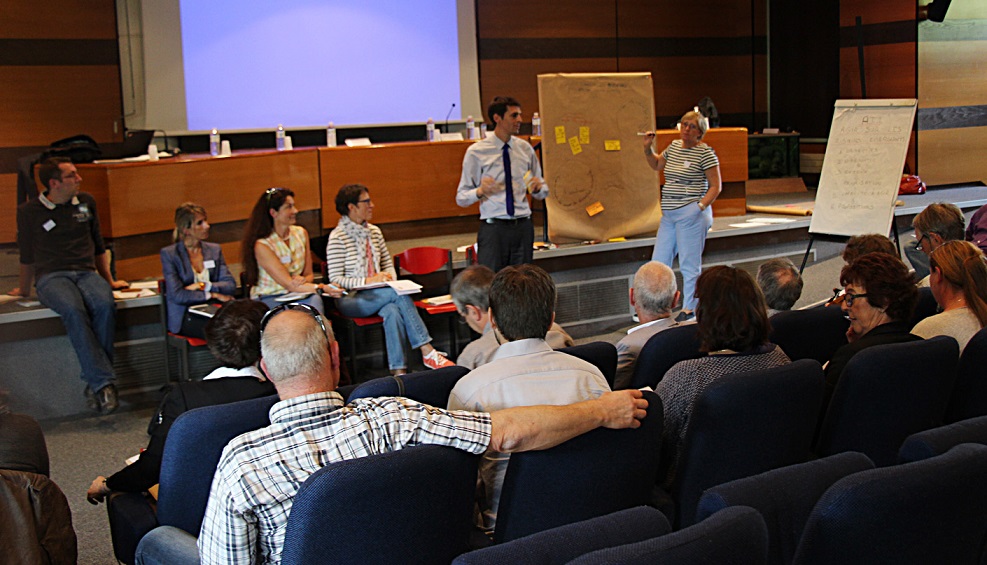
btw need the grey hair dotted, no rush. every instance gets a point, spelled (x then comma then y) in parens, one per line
(654, 288)
(295, 349)
(700, 119)
(780, 283)
(471, 287)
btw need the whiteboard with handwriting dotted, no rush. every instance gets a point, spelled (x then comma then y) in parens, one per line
(862, 168)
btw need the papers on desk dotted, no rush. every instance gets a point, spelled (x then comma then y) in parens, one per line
(293, 296)
(438, 300)
(149, 285)
(132, 293)
(402, 286)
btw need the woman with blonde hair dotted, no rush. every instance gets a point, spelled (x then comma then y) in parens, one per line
(958, 277)
(195, 271)
(692, 183)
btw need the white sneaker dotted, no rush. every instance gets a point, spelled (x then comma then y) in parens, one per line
(436, 360)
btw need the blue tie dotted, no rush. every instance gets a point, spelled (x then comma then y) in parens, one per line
(508, 185)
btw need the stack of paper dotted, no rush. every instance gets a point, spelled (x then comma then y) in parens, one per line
(402, 286)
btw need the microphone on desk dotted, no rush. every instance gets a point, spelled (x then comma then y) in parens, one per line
(451, 108)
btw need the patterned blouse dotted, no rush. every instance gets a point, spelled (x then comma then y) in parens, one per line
(291, 253)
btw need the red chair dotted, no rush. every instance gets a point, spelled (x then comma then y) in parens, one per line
(180, 342)
(426, 265)
(350, 327)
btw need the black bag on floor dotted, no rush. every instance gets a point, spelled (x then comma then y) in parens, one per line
(79, 148)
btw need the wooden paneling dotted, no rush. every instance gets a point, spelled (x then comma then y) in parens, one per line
(952, 73)
(875, 12)
(58, 19)
(890, 71)
(724, 79)
(652, 18)
(8, 213)
(519, 77)
(730, 145)
(948, 156)
(47, 105)
(408, 181)
(141, 198)
(544, 18)
(709, 49)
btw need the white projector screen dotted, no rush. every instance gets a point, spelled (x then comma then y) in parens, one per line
(254, 64)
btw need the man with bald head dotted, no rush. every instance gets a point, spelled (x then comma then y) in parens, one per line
(260, 471)
(653, 297)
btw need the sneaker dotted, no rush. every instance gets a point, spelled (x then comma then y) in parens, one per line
(91, 401)
(107, 397)
(436, 360)
(685, 316)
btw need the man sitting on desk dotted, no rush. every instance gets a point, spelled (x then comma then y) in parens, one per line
(524, 370)
(471, 294)
(61, 247)
(497, 171)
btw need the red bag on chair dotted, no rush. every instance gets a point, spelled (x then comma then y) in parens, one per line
(911, 184)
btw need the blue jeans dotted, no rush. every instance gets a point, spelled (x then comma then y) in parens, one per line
(315, 301)
(84, 300)
(167, 545)
(401, 320)
(682, 232)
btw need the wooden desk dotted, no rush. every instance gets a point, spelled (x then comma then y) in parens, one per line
(730, 145)
(140, 198)
(408, 181)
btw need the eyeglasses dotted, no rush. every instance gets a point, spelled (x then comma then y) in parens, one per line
(293, 306)
(849, 298)
(920, 247)
(364, 201)
(688, 125)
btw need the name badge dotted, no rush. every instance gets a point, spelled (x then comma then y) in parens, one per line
(49, 225)
(686, 164)
(210, 264)
(286, 259)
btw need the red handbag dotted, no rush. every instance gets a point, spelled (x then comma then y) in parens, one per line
(911, 184)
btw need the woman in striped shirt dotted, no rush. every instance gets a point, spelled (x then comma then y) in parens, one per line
(692, 183)
(357, 256)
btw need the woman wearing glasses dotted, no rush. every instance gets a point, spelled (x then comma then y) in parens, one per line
(195, 272)
(276, 257)
(692, 183)
(958, 276)
(879, 301)
(357, 256)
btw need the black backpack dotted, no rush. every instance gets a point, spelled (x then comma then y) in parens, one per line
(79, 148)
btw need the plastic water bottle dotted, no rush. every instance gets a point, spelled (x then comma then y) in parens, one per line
(430, 130)
(279, 138)
(331, 135)
(470, 127)
(214, 142)
(536, 125)
(483, 130)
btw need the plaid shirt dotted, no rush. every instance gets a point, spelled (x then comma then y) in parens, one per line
(260, 471)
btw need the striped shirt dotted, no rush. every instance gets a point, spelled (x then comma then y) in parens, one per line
(685, 173)
(343, 255)
(291, 254)
(260, 471)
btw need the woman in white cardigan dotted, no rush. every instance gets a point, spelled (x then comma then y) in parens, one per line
(357, 255)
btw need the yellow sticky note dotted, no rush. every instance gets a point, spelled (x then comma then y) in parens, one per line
(594, 208)
(584, 135)
(611, 145)
(575, 146)
(617, 239)
(559, 134)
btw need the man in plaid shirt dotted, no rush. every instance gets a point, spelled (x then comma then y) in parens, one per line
(260, 471)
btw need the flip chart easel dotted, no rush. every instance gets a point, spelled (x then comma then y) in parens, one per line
(861, 172)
